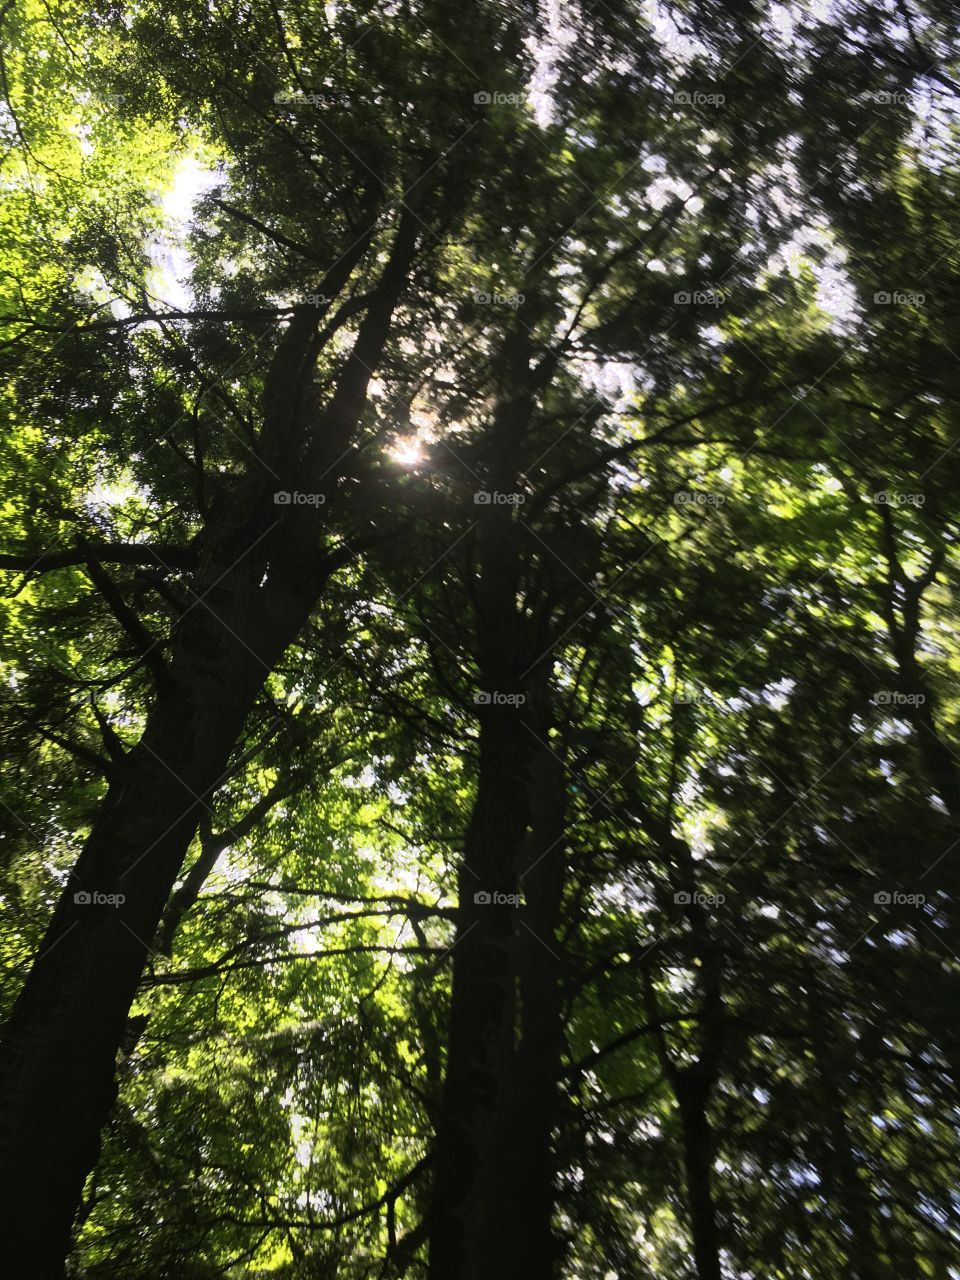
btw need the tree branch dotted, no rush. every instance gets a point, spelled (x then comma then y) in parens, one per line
(163, 555)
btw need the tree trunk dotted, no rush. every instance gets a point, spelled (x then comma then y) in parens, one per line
(938, 762)
(693, 1085)
(262, 573)
(843, 1176)
(531, 1168)
(62, 1038)
(692, 1094)
(495, 1179)
(466, 1238)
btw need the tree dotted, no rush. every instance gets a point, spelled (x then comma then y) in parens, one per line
(256, 569)
(481, 647)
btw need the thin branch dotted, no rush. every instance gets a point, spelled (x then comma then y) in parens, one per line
(143, 642)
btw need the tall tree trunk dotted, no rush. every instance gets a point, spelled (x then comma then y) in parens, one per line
(851, 1192)
(692, 1093)
(62, 1039)
(495, 1189)
(261, 576)
(902, 604)
(466, 1236)
(466, 1226)
(939, 761)
(531, 1170)
(693, 1084)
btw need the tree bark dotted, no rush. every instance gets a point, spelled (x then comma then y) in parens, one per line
(535, 1112)
(692, 1093)
(467, 1240)
(693, 1084)
(902, 603)
(859, 1212)
(261, 572)
(466, 1236)
(496, 1179)
(61, 1042)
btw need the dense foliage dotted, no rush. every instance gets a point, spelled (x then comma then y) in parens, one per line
(479, 647)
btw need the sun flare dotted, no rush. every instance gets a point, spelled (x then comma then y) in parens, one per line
(408, 451)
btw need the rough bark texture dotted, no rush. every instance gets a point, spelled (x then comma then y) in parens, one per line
(902, 599)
